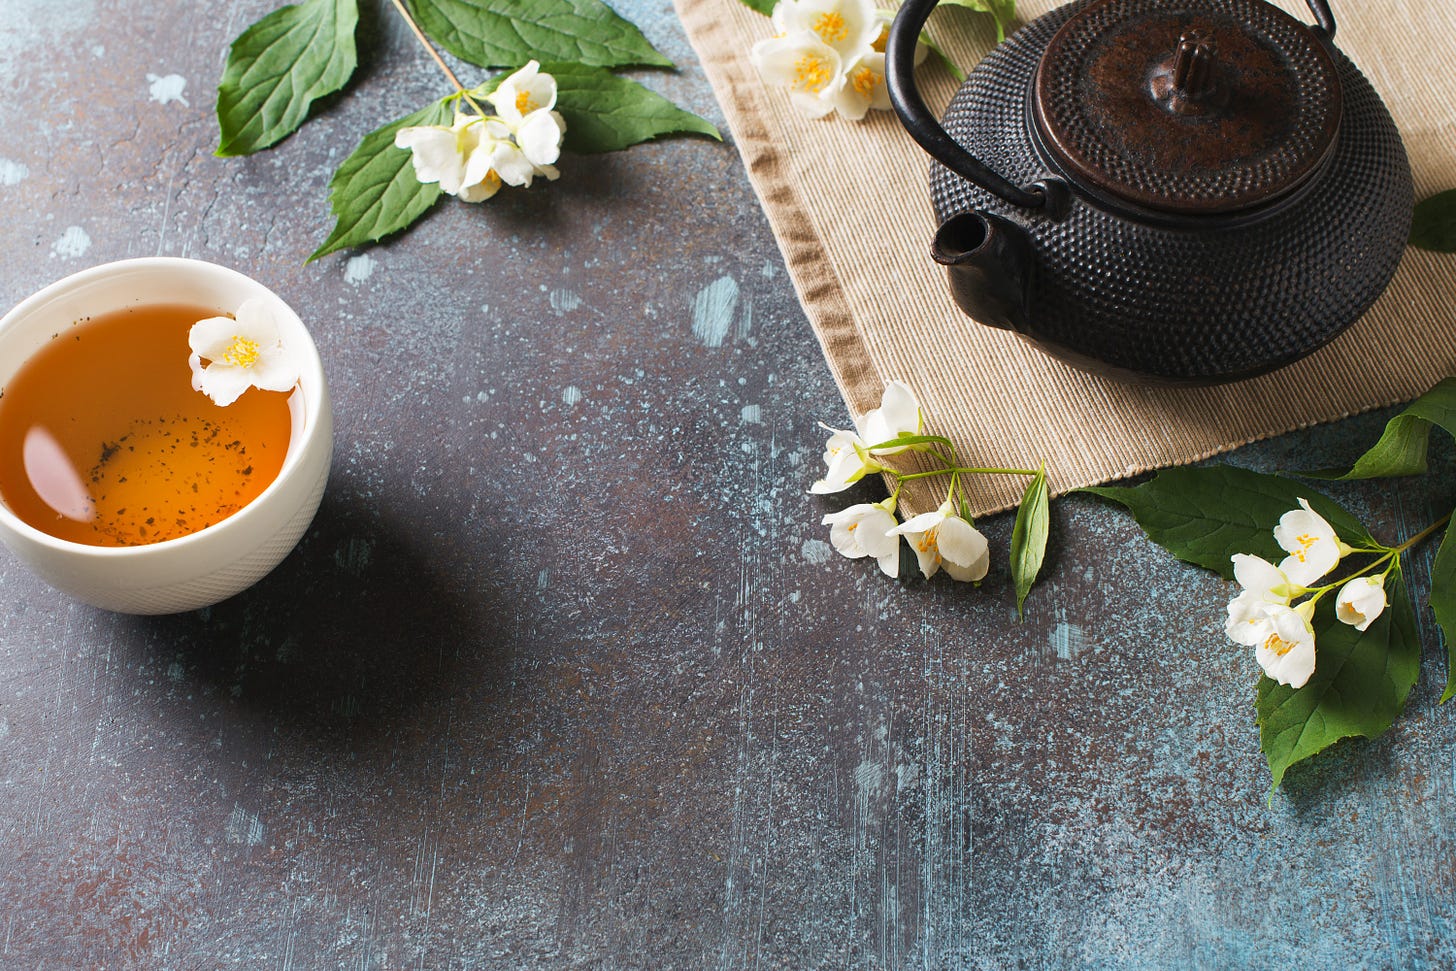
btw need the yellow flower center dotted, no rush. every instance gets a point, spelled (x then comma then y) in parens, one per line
(1278, 645)
(880, 41)
(243, 352)
(1305, 541)
(811, 73)
(524, 104)
(865, 81)
(831, 26)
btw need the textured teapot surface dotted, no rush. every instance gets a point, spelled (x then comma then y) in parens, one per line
(1213, 285)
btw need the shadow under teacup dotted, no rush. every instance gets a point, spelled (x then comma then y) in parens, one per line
(191, 569)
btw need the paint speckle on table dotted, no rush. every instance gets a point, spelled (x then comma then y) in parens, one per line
(713, 311)
(817, 551)
(12, 172)
(74, 242)
(570, 395)
(359, 268)
(25, 21)
(564, 301)
(167, 89)
(752, 415)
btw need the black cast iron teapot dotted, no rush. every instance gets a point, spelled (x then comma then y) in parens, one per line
(1183, 191)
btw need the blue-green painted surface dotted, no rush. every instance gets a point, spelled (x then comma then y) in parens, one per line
(566, 675)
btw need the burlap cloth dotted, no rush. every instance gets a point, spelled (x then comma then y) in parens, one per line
(849, 205)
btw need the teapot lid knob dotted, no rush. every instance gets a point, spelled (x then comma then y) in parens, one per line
(1192, 69)
(1188, 107)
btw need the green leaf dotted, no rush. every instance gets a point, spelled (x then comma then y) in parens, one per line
(502, 33)
(1205, 515)
(1359, 686)
(278, 67)
(1433, 225)
(1029, 536)
(764, 7)
(607, 113)
(374, 192)
(1004, 12)
(1443, 604)
(1402, 448)
(945, 60)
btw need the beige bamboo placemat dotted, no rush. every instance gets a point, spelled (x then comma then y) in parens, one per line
(849, 206)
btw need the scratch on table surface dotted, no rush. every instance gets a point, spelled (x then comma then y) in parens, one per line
(713, 311)
(1067, 639)
(564, 301)
(946, 850)
(422, 884)
(243, 828)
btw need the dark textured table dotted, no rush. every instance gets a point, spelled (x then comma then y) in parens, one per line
(566, 674)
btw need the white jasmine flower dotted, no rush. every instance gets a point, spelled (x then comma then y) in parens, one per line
(539, 135)
(523, 93)
(845, 460)
(243, 351)
(846, 26)
(509, 162)
(1311, 543)
(1360, 601)
(524, 104)
(943, 539)
(1263, 583)
(460, 157)
(829, 54)
(864, 530)
(1286, 652)
(898, 413)
(883, 19)
(863, 87)
(811, 70)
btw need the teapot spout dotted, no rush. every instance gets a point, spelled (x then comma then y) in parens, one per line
(989, 261)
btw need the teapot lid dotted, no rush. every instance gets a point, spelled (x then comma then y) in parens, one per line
(1189, 107)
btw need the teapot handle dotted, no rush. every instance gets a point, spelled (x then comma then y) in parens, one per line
(927, 131)
(922, 125)
(1323, 17)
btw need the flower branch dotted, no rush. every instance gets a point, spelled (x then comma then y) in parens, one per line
(943, 539)
(280, 66)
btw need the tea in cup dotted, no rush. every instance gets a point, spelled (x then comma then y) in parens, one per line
(165, 433)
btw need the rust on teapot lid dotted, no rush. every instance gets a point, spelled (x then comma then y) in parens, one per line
(1191, 107)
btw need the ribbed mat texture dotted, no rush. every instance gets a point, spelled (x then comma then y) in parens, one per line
(849, 205)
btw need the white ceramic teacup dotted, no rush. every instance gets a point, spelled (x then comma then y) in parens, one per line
(211, 564)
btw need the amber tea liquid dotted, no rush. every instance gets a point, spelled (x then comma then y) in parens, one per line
(103, 440)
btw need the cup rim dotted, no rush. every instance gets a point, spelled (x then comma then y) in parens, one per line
(310, 382)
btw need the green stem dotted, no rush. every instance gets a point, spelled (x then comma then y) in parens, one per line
(420, 36)
(1423, 534)
(1390, 554)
